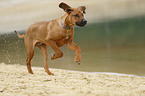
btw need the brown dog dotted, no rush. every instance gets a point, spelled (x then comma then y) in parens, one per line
(54, 33)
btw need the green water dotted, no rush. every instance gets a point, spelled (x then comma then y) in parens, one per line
(117, 46)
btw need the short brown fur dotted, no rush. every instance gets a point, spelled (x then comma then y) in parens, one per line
(52, 33)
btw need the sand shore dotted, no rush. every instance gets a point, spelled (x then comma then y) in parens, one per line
(15, 81)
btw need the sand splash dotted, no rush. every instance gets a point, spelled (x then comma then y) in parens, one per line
(15, 81)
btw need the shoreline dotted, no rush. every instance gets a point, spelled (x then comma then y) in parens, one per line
(108, 73)
(15, 80)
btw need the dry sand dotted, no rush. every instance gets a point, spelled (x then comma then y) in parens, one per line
(15, 81)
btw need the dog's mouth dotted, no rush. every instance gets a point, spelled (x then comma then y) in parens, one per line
(82, 23)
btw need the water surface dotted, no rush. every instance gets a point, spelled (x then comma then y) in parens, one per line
(116, 46)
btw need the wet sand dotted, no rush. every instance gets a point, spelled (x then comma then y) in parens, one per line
(15, 81)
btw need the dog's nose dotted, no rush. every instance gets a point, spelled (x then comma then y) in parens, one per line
(84, 21)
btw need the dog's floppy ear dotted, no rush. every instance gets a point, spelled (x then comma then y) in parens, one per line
(69, 10)
(83, 8)
(65, 7)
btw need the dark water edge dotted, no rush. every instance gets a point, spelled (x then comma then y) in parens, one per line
(117, 46)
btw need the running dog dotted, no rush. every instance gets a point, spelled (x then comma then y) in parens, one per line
(54, 33)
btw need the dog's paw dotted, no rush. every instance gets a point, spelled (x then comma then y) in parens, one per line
(52, 56)
(78, 59)
(50, 73)
(77, 62)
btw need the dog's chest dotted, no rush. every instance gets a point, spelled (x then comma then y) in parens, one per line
(64, 38)
(67, 34)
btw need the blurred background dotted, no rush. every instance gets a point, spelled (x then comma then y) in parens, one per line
(112, 41)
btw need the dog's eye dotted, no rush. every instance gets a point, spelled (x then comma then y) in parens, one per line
(76, 15)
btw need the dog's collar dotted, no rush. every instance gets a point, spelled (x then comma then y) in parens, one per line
(63, 25)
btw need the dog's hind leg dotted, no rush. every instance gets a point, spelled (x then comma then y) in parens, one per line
(44, 52)
(30, 54)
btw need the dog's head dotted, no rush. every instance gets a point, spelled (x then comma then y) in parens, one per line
(76, 15)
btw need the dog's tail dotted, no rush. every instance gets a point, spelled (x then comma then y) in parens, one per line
(20, 36)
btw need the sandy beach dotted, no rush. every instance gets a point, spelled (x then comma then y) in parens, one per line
(107, 51)
(15, 81)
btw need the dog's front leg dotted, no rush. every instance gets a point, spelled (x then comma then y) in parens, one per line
(71, 45)
(56, 49)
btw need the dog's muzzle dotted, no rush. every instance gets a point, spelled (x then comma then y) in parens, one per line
(82, 23)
